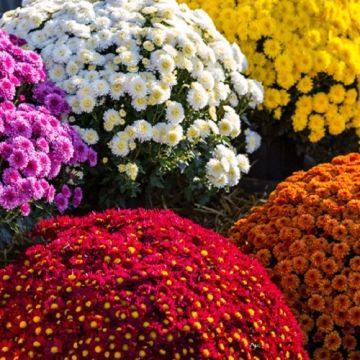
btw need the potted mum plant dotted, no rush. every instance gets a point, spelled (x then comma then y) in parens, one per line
(153, 86)
(306, 53)
(141, 285)
(41, 158)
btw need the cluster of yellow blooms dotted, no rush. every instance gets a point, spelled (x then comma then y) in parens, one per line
(306, 53)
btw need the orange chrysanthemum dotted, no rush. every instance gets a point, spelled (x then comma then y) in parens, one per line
(332, 341)
(313, 221)
(324, 323)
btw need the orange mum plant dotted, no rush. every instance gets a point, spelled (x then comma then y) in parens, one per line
(308, 236)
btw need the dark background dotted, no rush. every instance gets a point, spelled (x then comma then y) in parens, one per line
(6, 5)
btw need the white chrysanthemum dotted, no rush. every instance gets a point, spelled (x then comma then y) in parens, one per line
(222, 91)
(165, 64)
(233, 100)
(75, 104)
(221, 151)
(158, 95)
(198, 67)
(87, 103)
(137, 87)
(101, 87)
(104, 38)
(219, 182)
(197, 96)
(129, 58)
(85, 56)
(203, 127)
(239, 57)
(90, 76)
(158, 37)
(85, 90)
(168, 80)
(119, 146)
(174, 112)
(193, 133)
(74, 43)
(111, 118)
(143, 130)
(230, 124)
(90, 136)
(213, 127)
(253, 140)
(240, 83)
(206, 80)
(131, 132)
(57, 73)
(72, 68)
(225, 127)
(159, 132)
(174, 135)
(38, 37)
(117, 86)
(62, 54)
(257, 92)
(233, 175)
(132, 170)
(188, 49)
(140, 103)
(225, 163)
(102, 22)
(243, 163)
(214, 168)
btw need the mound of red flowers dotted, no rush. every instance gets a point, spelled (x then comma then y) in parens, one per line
(137, 284)
(308, 235)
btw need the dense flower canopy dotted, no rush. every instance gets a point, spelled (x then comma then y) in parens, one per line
(308, 235)
(34, 144)
(136, 284)
(306, 53)
(153, 85)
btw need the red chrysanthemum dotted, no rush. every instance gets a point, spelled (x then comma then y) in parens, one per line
(313, 221)
(137, 284)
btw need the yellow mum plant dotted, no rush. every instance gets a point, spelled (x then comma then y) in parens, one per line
(306, 53)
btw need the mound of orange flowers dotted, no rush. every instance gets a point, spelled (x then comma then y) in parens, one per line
(308, 236)
(137, 284)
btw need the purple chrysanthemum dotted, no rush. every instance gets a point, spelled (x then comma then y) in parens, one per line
(92, 157)
(61, 202)
(42, 145)
(54, 103)
(7, 89)
(8, 198)
(78, 195)
(35, 145)
(25, 209)
(32, 168)
(50, 194)
(10, 176)
(18, 159)
(45, 164)
(21, 127)
(65, 190)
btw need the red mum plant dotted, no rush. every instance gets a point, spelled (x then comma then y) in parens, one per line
(136, 284)
(308, 236)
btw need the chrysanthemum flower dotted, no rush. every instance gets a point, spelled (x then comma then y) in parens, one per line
(141, 285)
(316, 240)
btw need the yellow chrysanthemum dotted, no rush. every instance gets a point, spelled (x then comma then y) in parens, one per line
(302, 47)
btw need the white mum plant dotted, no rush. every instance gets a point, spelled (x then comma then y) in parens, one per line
(152, 84)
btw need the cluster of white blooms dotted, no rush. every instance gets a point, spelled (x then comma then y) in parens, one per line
(141, 71)
(225, 168)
